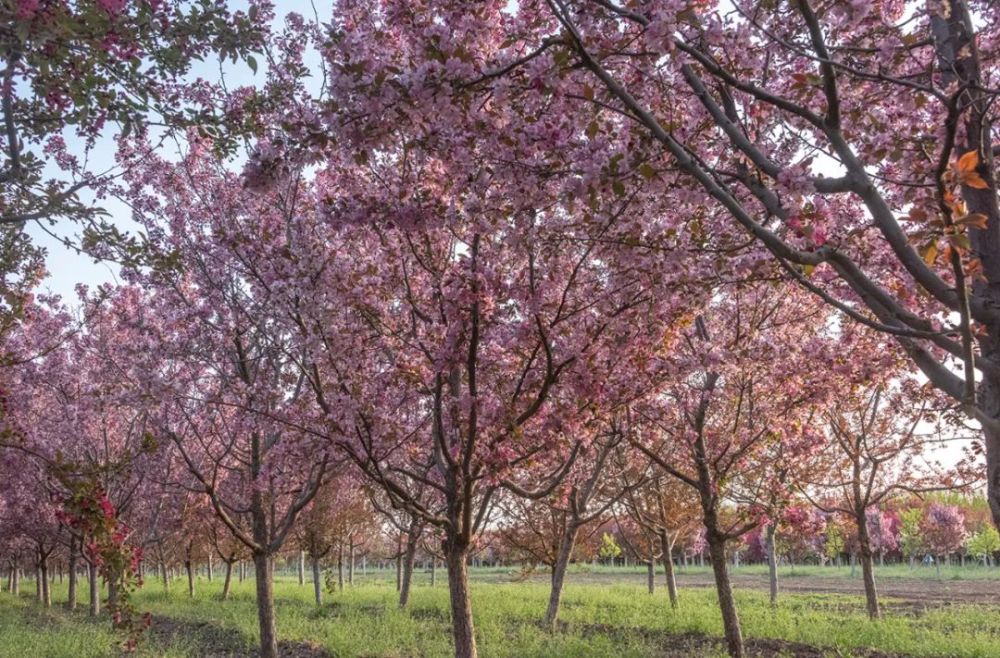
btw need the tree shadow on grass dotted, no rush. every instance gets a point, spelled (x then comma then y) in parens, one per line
(213, 641)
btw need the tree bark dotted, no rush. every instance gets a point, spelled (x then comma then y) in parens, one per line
(227, 582)
(302, 567)
(651, 575)
(317, 585)
(867, 565)
(350, 563)
(409, 557)
(189, 568)
(43, 569)
(462, 629)
(340, 567)
(210, 573)
(559, 574)
(74, 558)
(265, 605)
(668, 568)
(772, 563)
(166, 577)
(724, 589)
(433, 571)
(95, 591)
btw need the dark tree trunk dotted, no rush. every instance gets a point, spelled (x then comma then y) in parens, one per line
(724, 589)
(434, 563)
(867, 566)
(74, 558)
(340, 567)
(210, 568)
(265, 605)
(189, 568)
(43, 570)
(227, 582)
(166, 577)
(668, 568)
(95, 591)
(651, 575)
(772, 562)
(559, 574)
(462, 629)
(317, 585)
(302, 567)
(409, 557)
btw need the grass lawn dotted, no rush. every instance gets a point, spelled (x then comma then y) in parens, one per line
(616, 619)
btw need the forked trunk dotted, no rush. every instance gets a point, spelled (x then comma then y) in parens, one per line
(462, 629)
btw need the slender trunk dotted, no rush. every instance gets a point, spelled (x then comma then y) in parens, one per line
(559, 573)
(112, 594)
(73, 560)
(166, 577)
(43, 568)
(227, 582)
(651, 575)
(399, 562)
(724, 589)
(265, 605)
(15, 581)
(462, 629)
(317, 587)
(340, 567)
(302, 567)
(409, 557)
(350, 563)
(190, 575)
(772, 562)
(434, 563)
(38, 582)
(95, 591)
(867, 565)
(210, 569)
(668, 568)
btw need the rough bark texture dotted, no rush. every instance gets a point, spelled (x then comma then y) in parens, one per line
(189, 568)
(265, 606)
(559, 574)
(462, 629)
(302, 567)
(651, 576)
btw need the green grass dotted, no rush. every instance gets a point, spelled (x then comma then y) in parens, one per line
(604, 619)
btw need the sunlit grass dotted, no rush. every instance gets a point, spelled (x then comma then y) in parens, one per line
(617, 618)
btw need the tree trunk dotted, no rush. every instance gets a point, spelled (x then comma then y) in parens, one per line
(350, 563)
(317, 586)
(227, 582)
(15, 581)
(434, 563)
(74, 558)
(409, 557)
(43, 568)
(189, 568)
(112, 594)
(724, 589)
(95, 591)
(668, 568)
(772, 562)
(340, 567)
(166, 577)
(462, 629)
(867, 565)
(651, 575)
(38, 582)
(559, 574)
(265, 605)
(210, 569)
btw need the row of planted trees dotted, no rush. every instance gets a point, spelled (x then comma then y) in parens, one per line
(501, 259)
